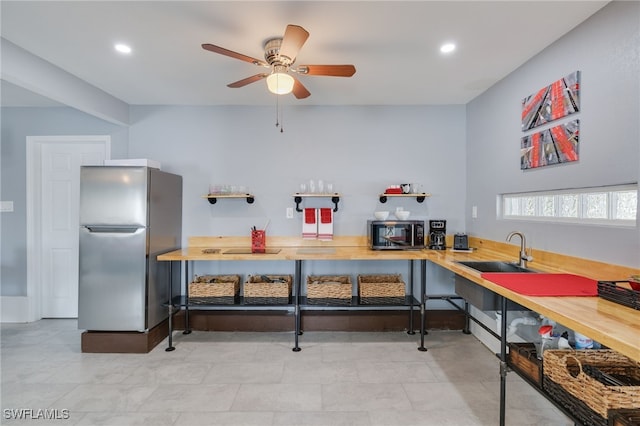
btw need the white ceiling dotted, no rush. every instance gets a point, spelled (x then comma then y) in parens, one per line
(394, 46)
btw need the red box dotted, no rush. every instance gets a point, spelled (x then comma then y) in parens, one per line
(258, 240)
(393, 191)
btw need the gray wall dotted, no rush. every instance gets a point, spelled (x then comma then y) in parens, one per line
(17, 124)
(606, 50)
(360, 150)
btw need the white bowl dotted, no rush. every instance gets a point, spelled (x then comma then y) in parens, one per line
(381, 215)
(402, 214)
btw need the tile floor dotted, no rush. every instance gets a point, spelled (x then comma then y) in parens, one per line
(216, 378)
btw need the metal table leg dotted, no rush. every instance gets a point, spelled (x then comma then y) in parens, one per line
(503, 359)
(297, 278)
(170, 346)
(467, 317)
(411, 330)
(187, 328)
(423, 290)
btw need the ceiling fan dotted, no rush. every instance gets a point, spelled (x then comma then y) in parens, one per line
(280, 55)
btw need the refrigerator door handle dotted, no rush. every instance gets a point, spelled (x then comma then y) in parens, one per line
(113, 229)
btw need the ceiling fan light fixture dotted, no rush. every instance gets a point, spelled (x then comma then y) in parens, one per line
(280, 83)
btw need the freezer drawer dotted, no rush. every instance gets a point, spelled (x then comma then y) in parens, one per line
(112, 278)
(114, 196)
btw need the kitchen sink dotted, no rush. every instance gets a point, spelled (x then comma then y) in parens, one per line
(494, 266)
(480, 297)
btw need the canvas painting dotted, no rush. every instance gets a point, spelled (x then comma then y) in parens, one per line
(559, 99)
(558, 144)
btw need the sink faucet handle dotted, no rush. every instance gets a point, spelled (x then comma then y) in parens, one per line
(528, 257)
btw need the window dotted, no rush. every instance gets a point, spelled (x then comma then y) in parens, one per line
(612, 205)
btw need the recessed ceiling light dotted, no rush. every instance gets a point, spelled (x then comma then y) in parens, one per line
(122, 48)
(447, 48)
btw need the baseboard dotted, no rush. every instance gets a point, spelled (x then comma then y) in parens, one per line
(317, 320)
(14, 309)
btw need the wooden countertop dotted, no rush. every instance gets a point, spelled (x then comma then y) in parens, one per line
(340, 248)
(611, 324)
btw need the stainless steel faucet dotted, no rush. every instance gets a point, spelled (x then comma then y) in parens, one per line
(524, 257)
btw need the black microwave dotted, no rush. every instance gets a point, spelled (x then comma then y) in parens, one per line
(395, 234)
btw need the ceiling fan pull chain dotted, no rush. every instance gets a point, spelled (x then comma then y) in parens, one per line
(279, 119)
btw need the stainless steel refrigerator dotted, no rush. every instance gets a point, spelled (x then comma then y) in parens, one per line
(128, 216)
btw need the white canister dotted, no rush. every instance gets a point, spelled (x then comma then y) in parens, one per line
(582, 341)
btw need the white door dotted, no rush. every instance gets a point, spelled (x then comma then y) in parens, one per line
(59, 220)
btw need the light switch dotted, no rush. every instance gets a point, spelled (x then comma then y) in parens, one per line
(474, 212)
(289, 212)
(6, 206)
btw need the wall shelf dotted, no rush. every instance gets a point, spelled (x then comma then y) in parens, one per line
(419, 197)
(213, 198)
(298, 196)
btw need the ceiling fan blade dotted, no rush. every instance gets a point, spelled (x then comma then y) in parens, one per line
(299, 91)
(248, 80)
(328, 70)
(221, 50)
(294, 37)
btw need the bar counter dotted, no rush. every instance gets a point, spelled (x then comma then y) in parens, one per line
(611, 324)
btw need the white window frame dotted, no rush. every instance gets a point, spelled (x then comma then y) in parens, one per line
(531, 202)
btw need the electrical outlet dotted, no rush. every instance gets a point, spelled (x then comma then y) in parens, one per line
(6, 206)
(289, 213)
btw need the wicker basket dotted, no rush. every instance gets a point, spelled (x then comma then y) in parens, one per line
(610, 290)
(329, 290)
(267, 289)
(625, 418)
(590, 383)
(523, 358)
(214, 289)
(381, 289)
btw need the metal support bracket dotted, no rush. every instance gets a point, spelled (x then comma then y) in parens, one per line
(298, 199)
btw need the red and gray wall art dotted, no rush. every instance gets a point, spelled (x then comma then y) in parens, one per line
(556, 144)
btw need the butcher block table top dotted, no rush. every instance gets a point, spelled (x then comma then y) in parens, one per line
(614, 325)
(609, 323)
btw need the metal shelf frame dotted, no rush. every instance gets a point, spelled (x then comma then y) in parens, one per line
(177, 303)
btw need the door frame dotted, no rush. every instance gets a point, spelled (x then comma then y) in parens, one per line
(34, 209)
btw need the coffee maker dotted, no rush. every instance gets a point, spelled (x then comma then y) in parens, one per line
(437, 234)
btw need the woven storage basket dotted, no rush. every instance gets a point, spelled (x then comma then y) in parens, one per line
(381, 289)
(625, 418)
(214, 289)
(258, 290)
(329, 290)
(523, 358)
(582, 382)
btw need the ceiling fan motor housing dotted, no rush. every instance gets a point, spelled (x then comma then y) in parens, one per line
(272, 53)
